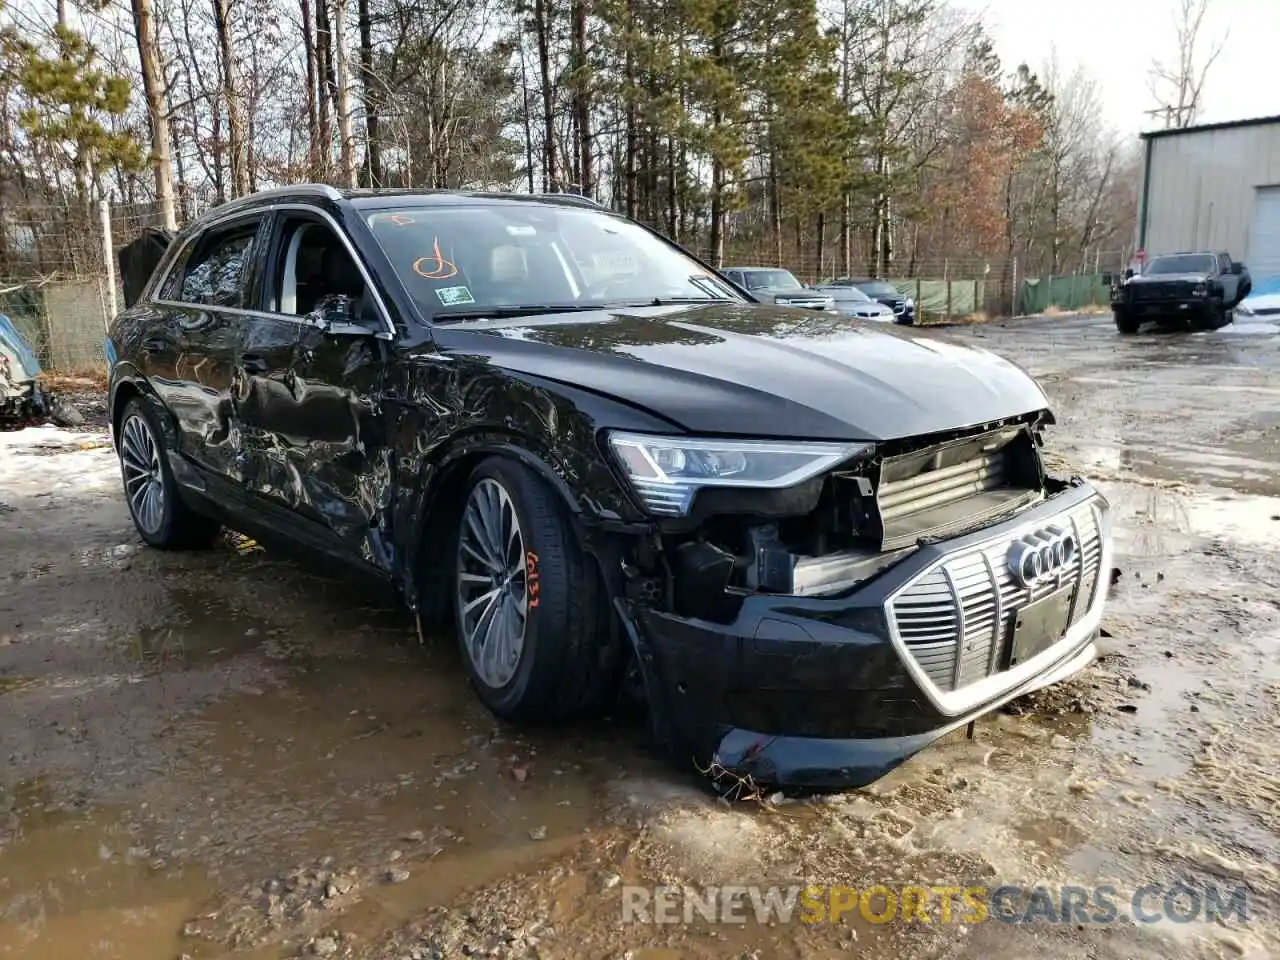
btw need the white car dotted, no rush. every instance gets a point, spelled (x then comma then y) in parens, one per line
(852, 302)
(1259, 305)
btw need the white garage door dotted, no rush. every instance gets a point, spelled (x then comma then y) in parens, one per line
(1264, 241)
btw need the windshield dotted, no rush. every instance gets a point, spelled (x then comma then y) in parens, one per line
(500, 257)
(878, 288)
(770, 279)
(1185, 263)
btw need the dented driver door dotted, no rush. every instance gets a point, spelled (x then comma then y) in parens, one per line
(342, 460)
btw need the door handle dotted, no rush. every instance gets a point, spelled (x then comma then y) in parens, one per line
(252, 363)
(155, 344)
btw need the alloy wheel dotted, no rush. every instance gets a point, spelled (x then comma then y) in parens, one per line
(143, 479)
(492, 592)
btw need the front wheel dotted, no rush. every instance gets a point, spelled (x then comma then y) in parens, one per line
(1126, 323)
(161, 517)
(533, 625)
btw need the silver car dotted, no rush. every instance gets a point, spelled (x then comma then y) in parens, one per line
(852, 302)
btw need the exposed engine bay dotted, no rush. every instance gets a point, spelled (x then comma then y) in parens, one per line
(825, 536)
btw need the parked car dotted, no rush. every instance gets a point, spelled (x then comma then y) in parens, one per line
(852, 302)
(818, 545)
(20, 394)
(1196, 290)
(903, 307)
(770, 284)
(1259, 305)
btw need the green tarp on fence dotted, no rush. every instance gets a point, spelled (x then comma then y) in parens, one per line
(1036, 295)
(944, 298)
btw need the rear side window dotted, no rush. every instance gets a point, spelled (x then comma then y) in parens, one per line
(216, 272)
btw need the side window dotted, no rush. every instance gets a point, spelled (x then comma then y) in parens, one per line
(217, 270)
(171, 290)
(1224, 263)
(734, 277)
(312, 270)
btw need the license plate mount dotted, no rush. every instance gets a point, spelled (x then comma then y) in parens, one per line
(1038, 626)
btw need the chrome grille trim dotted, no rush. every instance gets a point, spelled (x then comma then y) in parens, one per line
(948, 622)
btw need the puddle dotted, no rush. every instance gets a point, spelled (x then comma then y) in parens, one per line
(86, 885)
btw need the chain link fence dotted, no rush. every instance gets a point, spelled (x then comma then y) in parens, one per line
(57, 276)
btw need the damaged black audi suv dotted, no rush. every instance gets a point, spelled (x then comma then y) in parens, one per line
(814, 544)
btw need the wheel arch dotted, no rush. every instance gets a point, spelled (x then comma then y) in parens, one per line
(128, 387)
(439, 499)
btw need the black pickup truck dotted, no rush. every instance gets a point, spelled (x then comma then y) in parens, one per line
(1195, 290)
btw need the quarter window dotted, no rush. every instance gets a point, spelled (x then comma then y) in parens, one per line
(216, 272)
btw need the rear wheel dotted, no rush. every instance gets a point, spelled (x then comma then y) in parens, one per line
(532, 623)
(1126, 323)
(161, 517)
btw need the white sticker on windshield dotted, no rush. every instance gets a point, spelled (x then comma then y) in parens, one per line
(451, 296)
(520, 230)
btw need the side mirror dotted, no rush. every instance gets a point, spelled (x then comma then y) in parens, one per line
(1237, 267)
(1128, 274)
(335, 315)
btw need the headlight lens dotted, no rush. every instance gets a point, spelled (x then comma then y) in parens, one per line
(910, 304)
(1200, 290)
(666, 472)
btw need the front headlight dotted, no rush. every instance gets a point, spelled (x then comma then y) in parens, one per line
(910, 304)
(666, 472)
(1200, 290)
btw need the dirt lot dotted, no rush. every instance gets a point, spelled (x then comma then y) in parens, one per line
(223, 753)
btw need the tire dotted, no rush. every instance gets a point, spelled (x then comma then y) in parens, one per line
(566, 660)
(1217, 318)
(161, 517)
(1125, 323)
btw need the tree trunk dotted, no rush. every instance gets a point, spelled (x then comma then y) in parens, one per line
(324, 64)
(673, 208)
(527, 117)
(235, 123)
(542, 23)
(629, 92)
(372, 95)
(822, 243)
(347, 146)
(846, 238)
(717, 212)
(313, 123)
(582, 96)
(775, 209)
(153, 86)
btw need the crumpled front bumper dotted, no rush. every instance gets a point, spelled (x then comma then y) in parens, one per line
(821, 692)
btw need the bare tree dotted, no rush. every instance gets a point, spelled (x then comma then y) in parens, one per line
(153, 86)
(1177, 85)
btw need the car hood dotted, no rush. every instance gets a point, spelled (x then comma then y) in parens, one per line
(1262, 303)
(791, 293)
(1170, 278)
(760, 370)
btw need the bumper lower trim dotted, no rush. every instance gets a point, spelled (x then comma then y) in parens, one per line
(828, 764)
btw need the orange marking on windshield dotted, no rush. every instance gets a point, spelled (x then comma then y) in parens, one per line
(435, 267)
(401, 220)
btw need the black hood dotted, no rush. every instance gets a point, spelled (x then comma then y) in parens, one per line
(1170, 278)
(760, 370)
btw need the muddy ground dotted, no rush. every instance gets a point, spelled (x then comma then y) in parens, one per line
(225, 754)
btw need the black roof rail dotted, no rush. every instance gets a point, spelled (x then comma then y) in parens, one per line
(575, 198)
(320, 191)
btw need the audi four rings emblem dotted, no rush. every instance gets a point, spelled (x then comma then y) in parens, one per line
(1041, 555)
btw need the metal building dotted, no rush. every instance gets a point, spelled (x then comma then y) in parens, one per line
(1215, 187)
